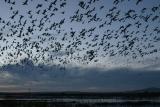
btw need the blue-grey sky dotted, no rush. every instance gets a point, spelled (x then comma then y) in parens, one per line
(79, 45)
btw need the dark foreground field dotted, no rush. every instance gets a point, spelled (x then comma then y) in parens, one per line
(79, 99)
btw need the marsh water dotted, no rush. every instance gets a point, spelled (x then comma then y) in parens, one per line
(80, 100)
(67, 102)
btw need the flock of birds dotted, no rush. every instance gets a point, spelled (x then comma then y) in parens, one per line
(49, 33)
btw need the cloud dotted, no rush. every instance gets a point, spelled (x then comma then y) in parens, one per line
(21, 77)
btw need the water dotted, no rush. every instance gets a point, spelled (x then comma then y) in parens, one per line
(87, 100)
(73, 102)
(80, 99)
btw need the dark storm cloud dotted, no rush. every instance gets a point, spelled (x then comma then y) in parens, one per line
(49, 78)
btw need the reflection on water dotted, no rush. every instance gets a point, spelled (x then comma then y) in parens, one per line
(87, 100)
(78, 99)
(72, 102)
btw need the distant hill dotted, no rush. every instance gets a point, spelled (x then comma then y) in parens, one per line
(149, 90)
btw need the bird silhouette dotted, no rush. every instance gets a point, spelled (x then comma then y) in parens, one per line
(49, 32)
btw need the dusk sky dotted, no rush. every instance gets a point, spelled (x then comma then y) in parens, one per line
(79, 45)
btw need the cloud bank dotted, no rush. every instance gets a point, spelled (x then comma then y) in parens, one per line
(27, 76)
